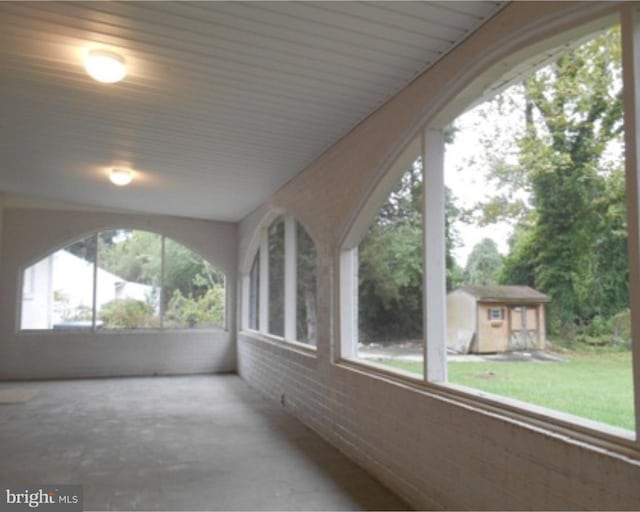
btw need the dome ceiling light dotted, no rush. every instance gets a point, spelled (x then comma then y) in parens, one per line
(120, 177)
(104, 66)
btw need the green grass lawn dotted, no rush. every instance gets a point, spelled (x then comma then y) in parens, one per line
(593, 385)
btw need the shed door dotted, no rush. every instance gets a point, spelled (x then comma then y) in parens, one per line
(524, 328)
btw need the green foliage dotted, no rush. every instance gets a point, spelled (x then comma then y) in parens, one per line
(204, 311)
(555, 179)
(193, 291)
(306, 258)
(276, 277)
(484, 264)
(186, 271)
(127, 314)
(570, 241)
(390, 266)
(519, 265)
(455, 273)
(608, 332)
(390, 263)
(391, 282)
(134, 256)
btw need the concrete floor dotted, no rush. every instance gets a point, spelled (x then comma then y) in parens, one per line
(176, 443)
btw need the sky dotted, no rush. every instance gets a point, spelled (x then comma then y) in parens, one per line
(465, 171)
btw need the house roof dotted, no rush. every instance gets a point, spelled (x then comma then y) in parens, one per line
(506, 293)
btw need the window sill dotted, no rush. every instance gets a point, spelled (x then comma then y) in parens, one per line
(279, 341)
(110, 332)
(598, 435)
(384, 370)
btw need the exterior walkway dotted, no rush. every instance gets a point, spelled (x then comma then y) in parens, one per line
(175, 443)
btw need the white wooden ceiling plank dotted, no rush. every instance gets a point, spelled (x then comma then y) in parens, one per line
(383, 12)
(278, 123)
(276, 20)
(253, 49)
(432, 13)
(273, 109)
(88, 129)
(357, 17)
(353, 33)
(466, 10)
(201, 164)
(223, 102)
(291, 74)
(230, 37)
(264, 87)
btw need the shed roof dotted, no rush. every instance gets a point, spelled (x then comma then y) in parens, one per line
(506, 293)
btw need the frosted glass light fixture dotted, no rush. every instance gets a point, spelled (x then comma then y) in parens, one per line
(120, 177)
(104, 66)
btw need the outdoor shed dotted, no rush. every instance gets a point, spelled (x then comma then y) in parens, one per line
(483, 319)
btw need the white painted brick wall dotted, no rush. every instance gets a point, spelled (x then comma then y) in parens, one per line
(31, 233)
(439, 455)
(436, 453)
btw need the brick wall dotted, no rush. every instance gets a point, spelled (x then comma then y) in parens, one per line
(31, 233)
(437, 452)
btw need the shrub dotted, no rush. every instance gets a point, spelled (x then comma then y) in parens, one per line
(127, 314)
(204, 311)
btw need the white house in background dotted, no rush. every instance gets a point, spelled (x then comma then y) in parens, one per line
(62, 283)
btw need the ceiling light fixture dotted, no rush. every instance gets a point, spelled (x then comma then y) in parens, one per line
(106, 67)
(120, 177)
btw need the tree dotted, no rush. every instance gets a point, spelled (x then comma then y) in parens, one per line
(134, 256)
(276, 276)
(570, 239)
(306, 257)
(484, 264)
(454, 277)
(186, 278)
(390, 263)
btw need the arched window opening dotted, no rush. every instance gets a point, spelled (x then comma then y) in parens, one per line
(254, 293)
(123, 279)
(306, 288)
(284, 273)
(390, 276)
(499, 262)
(276, 237)
(58, 290)
(540, 295)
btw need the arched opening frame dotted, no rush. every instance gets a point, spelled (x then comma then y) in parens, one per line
(255, 282)
(501, 67)
(94, 237)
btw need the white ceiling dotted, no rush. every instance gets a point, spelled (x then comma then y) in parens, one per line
(223, 102)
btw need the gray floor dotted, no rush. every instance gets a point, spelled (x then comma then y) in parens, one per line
(175, 443)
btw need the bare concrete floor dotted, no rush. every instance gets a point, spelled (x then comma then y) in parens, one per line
(176, 443)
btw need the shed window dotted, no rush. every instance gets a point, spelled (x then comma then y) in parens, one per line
(496, 314)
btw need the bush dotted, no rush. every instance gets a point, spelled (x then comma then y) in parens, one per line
(614, 331)
(127, 314)
(189, 312)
